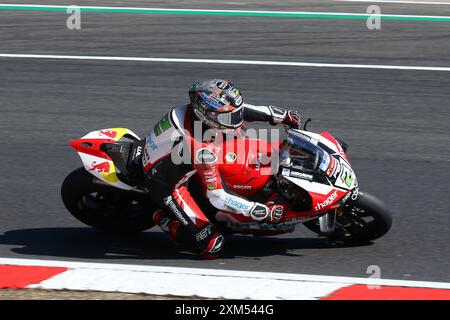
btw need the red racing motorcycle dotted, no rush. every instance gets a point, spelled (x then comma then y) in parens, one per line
(310, 172)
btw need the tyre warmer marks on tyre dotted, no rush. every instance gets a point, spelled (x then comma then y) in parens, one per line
(159, 280)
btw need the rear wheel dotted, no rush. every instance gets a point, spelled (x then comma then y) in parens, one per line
(105, 207)
(363, 220)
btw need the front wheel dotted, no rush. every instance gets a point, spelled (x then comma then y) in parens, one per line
(105, 207)
(363, 220)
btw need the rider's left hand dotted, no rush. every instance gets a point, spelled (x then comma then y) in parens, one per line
(292, 119)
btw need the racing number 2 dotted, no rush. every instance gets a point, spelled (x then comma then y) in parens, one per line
(346, 176)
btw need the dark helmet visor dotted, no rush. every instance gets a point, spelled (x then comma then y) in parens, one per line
(232, 119)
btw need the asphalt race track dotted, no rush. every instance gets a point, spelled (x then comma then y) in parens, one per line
(396, 122)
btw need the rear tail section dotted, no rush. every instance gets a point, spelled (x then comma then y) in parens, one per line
(98, 162)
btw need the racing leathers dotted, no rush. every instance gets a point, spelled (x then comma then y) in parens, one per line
(174, 156)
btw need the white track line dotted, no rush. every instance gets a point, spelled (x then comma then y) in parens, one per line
(225, 273)
(118, 9)
(236, 62)
(396, 1)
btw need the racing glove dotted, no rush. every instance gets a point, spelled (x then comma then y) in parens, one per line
(292, 119)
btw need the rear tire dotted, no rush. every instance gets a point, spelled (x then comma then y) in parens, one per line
(364, 220)
(105, 207)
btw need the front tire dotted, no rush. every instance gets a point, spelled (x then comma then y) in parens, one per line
(363, 220)
(105, 207)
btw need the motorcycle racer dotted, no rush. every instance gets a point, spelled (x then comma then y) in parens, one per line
(218, 106)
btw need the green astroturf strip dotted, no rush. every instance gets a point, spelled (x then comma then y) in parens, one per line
(228, 13)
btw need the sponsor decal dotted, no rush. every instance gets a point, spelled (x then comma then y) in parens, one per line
(235, 93)
(236, 204)
(146, 158)
(259, 212)
(172, 206)
(337, 169)
(223, 85)
(103, 167)
(286, 172)
(353, 194)
(277, 212)
(242, 187)
(155, 169)
(109, 133)
(212, 186)
(296, 174)
(203, 234)
(162, 125)
(327, 202)
(205, 155)
(340, 150)
(209, 173)
(344, 199)
(302, 218)
(301, 175)
(258, 161)
(138, 151)
(325, 162)
(210, 101)
(151, 143)
(231, 157)
(331, 166)
(210, 180)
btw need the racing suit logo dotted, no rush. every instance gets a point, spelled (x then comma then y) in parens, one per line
(205, 155)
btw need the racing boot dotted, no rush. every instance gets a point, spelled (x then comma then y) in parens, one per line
(214, 247)
(167, 224)
(208, 251)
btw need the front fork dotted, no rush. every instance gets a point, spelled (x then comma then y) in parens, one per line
(327, 221)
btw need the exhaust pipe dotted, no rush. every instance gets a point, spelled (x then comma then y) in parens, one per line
(327, 222)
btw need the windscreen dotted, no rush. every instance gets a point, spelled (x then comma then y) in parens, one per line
(302, 153)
